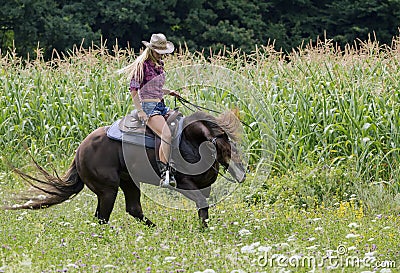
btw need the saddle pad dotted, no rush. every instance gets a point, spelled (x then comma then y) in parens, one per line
(115, 133)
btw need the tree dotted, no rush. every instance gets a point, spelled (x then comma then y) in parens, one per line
(200, 24)
(348, 20)
(45, 23)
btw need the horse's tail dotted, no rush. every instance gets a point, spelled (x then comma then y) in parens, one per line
(50, 190)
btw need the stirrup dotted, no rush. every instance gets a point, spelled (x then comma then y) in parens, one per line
(167, 178)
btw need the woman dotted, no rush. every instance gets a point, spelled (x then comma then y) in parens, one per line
(147, 80)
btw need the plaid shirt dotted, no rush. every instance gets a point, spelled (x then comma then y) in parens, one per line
(153, 81)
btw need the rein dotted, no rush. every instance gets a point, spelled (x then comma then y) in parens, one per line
(224, 176)
(185, 102)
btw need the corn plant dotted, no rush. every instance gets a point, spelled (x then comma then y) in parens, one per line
(321, 104)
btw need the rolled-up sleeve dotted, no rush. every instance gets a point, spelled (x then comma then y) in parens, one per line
(134, 85)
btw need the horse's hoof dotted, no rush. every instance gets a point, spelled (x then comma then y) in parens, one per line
(149, 223)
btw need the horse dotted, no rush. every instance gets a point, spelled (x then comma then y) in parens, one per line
(104, 165)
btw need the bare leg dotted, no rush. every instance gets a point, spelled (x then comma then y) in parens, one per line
(158, 125)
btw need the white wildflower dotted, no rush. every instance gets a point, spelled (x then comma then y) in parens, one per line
(206, 271)
(169, 259)
(284, 245)
(351, 235)
(264, 248)
(244, 232)
(353, 225)
(249, 248)
(330, 252)
(312, 247)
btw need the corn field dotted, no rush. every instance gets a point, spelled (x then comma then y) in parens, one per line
(326, 106)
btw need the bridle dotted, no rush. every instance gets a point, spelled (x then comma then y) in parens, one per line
(185, 103)
(214, 142)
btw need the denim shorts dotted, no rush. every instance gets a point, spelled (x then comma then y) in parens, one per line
(155, 108)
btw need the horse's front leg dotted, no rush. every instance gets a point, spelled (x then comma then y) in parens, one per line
(203, 215)
(199, 198)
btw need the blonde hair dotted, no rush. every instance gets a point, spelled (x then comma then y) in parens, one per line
(135, 69)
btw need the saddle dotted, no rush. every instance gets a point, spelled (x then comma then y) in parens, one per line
(131, 130)
(130, 124)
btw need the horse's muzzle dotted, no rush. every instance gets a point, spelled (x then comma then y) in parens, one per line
(242, 179)
(237, 172)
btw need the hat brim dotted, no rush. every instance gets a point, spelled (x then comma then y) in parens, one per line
(170, 47)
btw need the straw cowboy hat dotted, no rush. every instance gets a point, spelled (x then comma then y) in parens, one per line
(159, 44)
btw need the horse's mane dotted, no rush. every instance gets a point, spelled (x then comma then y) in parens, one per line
(227, 122)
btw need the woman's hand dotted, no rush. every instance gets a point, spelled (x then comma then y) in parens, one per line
(142, 116)
(174, 93)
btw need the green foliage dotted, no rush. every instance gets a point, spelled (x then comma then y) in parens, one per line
(44, 24)
(311, 187)
(324, 108)
(335, 112)
(334, 173)
(199, 25)
(349, 20)
(67, 238)
(308, 187)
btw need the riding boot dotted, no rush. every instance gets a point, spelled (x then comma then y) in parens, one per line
(167, 178)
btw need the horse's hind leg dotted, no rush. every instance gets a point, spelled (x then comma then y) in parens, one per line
(105, 204)
(132, 200)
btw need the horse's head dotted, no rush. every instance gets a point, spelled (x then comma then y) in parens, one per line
(222, 132)
(229, 157)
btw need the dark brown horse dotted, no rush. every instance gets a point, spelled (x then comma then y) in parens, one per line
(104, 165)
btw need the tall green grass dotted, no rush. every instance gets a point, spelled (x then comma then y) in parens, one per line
(327, 106)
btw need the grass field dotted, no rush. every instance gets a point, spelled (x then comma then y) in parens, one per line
(323, 193)
(67, 238)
